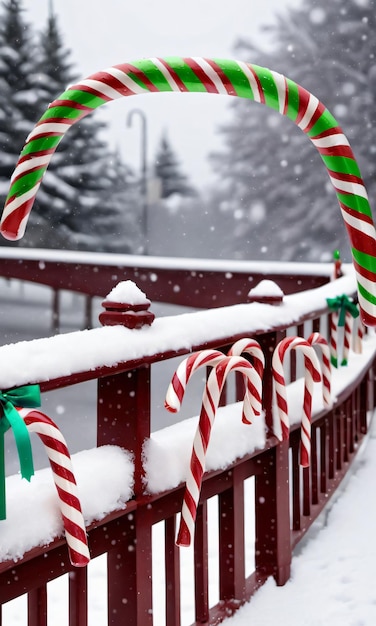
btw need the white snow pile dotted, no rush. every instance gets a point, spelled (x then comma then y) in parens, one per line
(104, 478)
(266, 288)
(127, 292)
(167, 453)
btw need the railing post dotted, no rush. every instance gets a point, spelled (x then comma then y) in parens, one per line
(124, 420)
(268, 343)
(273, 542)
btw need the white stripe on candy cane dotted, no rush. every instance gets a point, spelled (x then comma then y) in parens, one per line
(164, 70)
(348, 187)
(246, 69)
(100, 87)
(337, 139)
(57, 128)
(126, 80)
(313, 103)
(212, 74)
(280, 82)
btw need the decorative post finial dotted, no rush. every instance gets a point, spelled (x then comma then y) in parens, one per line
(126, 305)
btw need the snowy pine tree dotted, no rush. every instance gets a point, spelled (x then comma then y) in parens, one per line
(167, 169)
(79, 196)
(20, 89)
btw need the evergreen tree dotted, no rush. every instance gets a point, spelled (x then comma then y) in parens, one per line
(20, 89)
(167, 169)
(272, 175)
(79, 181)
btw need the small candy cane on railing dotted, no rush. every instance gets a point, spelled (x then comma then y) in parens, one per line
(333, 334)
(312, 374)
(343, 307)
(252, 347)
(180, 379)
(315, 339)
(212, 394)
(65, 483)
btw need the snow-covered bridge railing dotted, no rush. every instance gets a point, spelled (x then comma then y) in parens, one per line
(188, 282)
(255, 497)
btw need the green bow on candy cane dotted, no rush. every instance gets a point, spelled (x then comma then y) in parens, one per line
(26, 397)
(344, 305)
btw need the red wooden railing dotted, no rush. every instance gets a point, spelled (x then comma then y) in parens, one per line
(287, 498)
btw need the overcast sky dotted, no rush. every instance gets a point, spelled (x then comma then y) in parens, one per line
(101, 33)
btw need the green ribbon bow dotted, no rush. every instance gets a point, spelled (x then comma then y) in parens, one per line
(26, 397)
(343, 304)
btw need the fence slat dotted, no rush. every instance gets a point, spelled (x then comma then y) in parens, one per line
(37, 607)
(172, 568)
(201, 573)
(231, 540)
(78, 600)
(273, 545)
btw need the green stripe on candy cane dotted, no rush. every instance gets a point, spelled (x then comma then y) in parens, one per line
(214, 76)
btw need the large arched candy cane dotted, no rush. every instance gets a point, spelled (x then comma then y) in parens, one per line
(212, 394)
(186, 369)
(216, 76)
(65, 483)
(315, 339)
(312, 374)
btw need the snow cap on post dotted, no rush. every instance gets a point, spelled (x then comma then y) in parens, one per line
(126, 305)
(220, 76)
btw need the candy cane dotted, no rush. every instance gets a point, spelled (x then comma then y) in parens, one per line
(178, 384)
(65, 483)
(347, 338)
(312, 374)
(358, 335)
(252, 347)
(315, 339)
(219, 76)
(333, 333)
(212, 394)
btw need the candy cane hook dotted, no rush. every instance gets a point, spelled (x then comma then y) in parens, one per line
(186, 369)
(312, 374)
(212, 394)
(252, 347)
(65, 483)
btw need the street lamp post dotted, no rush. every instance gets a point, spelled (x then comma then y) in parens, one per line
(144, 217)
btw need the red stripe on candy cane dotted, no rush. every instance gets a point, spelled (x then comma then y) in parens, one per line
(210, 402)
(65, 483)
